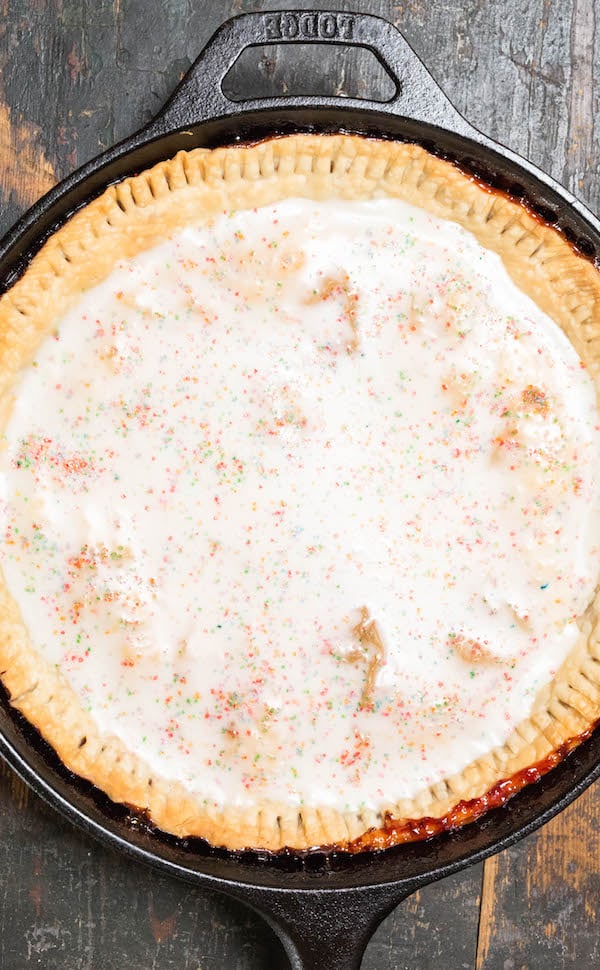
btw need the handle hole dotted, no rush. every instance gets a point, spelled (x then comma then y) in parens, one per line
(268, 71)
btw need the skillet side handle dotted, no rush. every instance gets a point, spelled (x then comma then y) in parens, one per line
(328, 929)
(200, 96)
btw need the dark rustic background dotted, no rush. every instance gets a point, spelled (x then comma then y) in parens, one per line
(78, 75)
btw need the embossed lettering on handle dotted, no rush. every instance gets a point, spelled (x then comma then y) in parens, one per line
(292, 25)
(200, 95)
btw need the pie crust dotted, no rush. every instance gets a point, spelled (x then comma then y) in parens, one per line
(138, 213)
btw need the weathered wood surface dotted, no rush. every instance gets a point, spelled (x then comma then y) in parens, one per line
(78, 75)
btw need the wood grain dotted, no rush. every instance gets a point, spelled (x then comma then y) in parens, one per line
(26, 172)
(540, 899)
(78, 75)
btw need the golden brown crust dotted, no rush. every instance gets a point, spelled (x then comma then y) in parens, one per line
(139, 212)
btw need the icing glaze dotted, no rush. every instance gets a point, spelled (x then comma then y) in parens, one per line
(304, 504)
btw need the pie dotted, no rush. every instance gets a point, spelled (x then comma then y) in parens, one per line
(300, 495)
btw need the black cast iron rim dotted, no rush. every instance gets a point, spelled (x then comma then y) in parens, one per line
(199, 114)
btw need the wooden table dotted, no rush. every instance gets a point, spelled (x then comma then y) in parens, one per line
(75, 77)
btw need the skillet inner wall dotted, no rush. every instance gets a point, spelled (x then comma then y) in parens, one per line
(192, 859)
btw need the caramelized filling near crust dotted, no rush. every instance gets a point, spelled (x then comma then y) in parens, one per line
(397, 831)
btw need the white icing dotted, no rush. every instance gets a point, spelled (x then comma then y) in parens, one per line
(256, 429)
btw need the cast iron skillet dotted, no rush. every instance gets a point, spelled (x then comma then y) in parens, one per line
(323, 907)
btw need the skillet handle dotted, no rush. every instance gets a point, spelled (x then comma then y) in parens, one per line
(200, 97)
(327, 929)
